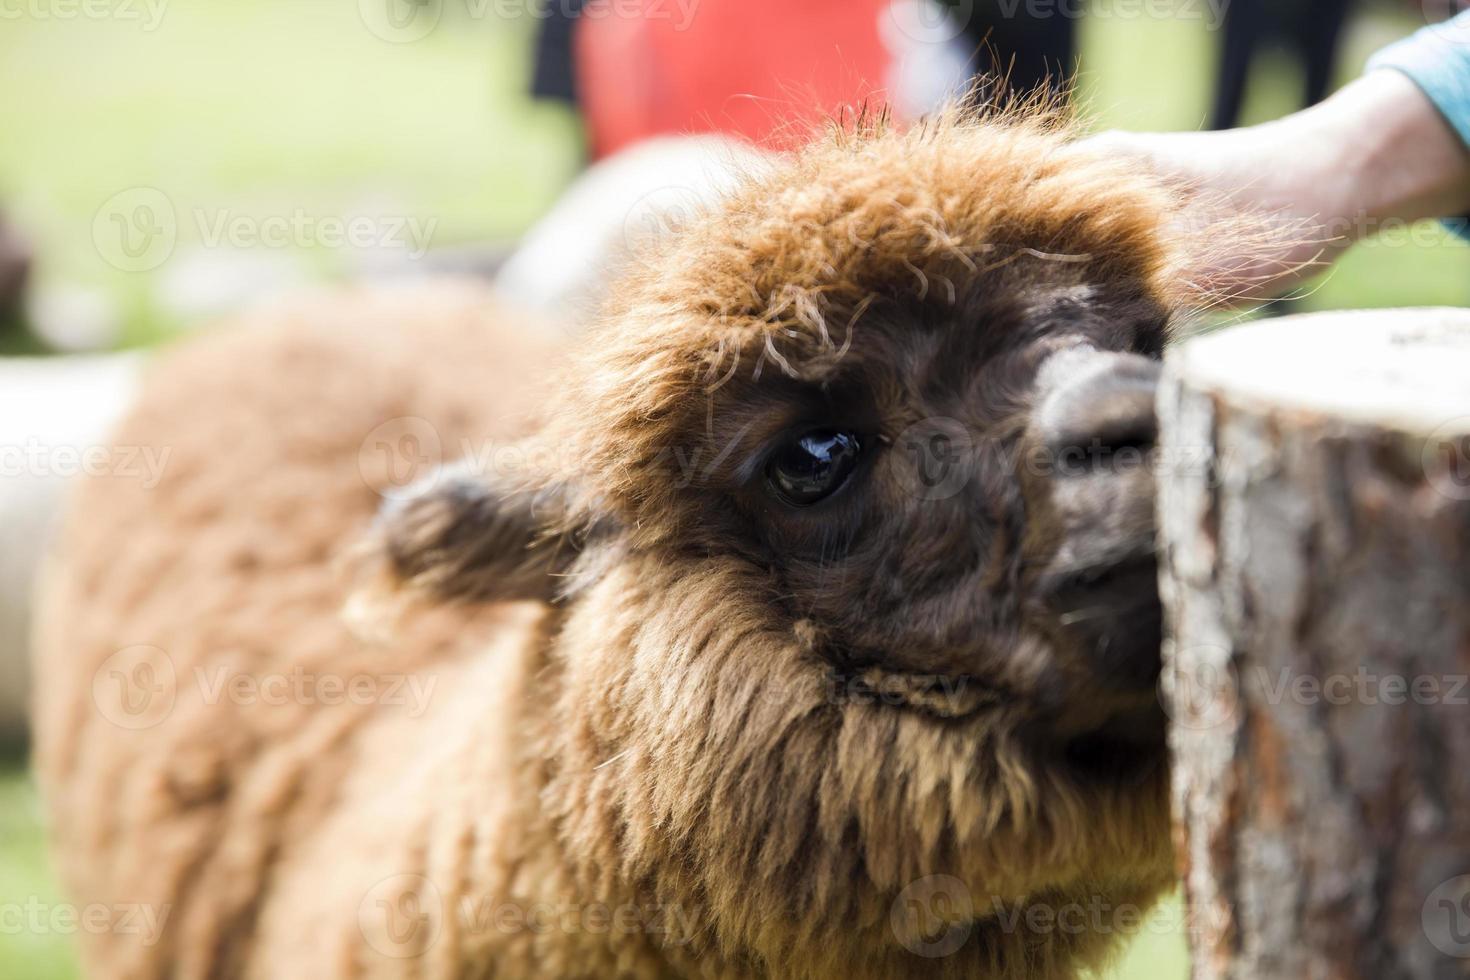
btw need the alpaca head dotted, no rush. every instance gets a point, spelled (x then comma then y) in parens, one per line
(847, 517)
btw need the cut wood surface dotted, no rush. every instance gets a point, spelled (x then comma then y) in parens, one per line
(1315, 535)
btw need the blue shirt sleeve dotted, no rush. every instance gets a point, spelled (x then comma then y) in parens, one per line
(1437, 59)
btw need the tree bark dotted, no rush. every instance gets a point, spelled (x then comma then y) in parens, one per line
(1314, 509)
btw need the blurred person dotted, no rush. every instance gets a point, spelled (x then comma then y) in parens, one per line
(1029, 45)
(759, 70)
(553, 76)
(746, 68)
(15, 267)
(1391, 147)
(1310, 31)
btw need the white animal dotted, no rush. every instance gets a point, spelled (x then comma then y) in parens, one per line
(54, 418)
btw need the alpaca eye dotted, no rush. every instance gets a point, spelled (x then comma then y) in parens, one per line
(813, 466)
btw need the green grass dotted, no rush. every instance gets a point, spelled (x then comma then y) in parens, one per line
(26, 885)
(262, 110)
(1158, 951)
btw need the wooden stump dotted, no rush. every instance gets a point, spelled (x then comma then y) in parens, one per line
(1315, 522)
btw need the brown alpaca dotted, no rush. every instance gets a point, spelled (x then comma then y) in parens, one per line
(834, 630)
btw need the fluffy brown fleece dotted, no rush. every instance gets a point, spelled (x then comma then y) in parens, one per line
(720, 739)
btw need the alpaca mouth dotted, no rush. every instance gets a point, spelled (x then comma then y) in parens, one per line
(1112, 615)
(1127, 749)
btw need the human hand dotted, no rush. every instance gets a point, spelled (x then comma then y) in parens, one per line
(1321, 179)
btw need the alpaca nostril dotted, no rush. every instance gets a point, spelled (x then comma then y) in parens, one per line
(1116, 419)
(1101, 413)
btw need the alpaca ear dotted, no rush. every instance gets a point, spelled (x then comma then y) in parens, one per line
(462, 535)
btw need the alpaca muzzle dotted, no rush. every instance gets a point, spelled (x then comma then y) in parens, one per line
(1095, 429)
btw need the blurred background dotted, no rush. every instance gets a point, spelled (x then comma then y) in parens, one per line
(166, 162)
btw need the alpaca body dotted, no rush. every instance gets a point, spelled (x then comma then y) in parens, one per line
(213, 777)
(254, 789)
